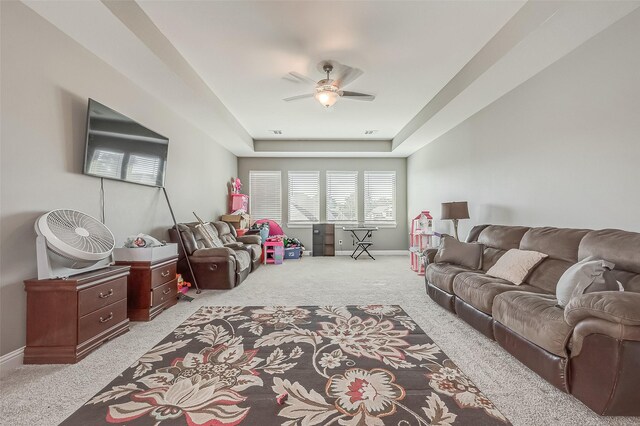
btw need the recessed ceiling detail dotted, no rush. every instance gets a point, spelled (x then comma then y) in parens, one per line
(430, 65)
(405, 48)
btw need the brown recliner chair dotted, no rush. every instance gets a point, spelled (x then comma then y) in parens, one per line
(214, 268)
(228, 235)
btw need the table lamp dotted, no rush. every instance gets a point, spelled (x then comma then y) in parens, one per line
(455, 211)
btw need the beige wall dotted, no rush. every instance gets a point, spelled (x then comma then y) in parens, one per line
(561, 150)
(46, 80)
(384, 239)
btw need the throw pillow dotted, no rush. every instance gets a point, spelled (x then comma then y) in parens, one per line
(515, 265)
(465, 254)
(586, 276)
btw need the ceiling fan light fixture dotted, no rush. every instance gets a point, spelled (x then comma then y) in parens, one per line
(327, 97)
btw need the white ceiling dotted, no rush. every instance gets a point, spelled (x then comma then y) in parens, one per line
(407, 50)
(431, 64)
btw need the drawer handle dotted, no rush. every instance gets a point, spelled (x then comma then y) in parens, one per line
(167, 291)
(165, 274)
(109, 318)
(104, 296)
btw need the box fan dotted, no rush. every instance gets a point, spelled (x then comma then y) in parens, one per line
(70, 242)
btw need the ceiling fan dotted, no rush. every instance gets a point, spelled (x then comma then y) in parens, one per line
(327, 91)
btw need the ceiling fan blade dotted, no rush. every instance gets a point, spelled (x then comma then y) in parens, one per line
(296, 77)
(295, 98)
(347, 76)
(357, 96)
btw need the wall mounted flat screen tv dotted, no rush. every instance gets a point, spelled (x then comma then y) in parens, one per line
(121, 149)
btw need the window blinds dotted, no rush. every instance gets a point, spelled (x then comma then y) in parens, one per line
(380, 197)
(304, 197)
(265, 195)
(342, 196)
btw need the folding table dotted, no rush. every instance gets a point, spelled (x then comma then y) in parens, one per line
(361, 239)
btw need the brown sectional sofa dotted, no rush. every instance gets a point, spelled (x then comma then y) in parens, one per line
(221, 267)
(591, 348)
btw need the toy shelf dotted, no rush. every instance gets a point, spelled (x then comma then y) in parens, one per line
(273, 252)
(420, 239)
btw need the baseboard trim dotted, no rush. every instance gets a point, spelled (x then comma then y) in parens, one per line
(10, 361)
(376, 252)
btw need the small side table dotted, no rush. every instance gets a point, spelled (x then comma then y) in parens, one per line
(273, 252)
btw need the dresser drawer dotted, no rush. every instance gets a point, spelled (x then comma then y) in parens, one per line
(165, 292)
(96, 322)
(163, 274)
(101, 295)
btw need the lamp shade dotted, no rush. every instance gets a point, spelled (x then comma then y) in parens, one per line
(327, 97)
(455, 210)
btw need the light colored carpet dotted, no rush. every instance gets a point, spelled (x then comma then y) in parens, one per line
(46, 395)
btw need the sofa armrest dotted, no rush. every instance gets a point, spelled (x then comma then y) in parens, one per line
(614, 306)
(429, 256)
(214, 252)
(235, 246)
(249, 239)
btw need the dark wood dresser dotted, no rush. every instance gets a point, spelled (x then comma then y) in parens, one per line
(324, 239)
(68, 318)
(153, 287)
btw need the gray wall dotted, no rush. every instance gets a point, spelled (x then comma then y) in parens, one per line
(46, 80)
(563, 149)
(384, 239)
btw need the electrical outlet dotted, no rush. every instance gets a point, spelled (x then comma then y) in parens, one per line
(339, 242)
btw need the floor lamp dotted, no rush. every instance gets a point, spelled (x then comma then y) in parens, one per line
(455, 211)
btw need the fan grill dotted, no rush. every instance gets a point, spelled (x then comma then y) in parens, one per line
(80, 231)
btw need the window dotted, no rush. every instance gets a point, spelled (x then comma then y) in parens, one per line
(380, 197)
(342, 196)
(304, 197)
(265, 195)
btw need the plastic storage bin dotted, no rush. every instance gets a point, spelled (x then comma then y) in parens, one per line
(292, 253)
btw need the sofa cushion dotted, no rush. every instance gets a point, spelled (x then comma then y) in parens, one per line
(557, 243)
(619, 247)
(479, 289)
(441, 275)
(224, 232)
(502, 237)
(256, 251)
(243, 260)
(561, 245)
(209, 235)
(515, 265)
(534, 317)
(453, 251)
(497, 239)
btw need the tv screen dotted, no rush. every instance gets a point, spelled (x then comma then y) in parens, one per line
(119, 148)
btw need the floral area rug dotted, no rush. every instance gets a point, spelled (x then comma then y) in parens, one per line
(294, 366)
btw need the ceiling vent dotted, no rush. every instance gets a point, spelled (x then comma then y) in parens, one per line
(370, 132)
